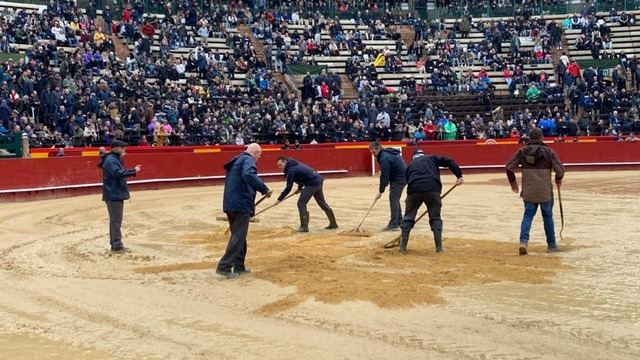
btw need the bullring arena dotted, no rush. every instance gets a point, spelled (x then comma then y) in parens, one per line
(186, 85)
(322, 295)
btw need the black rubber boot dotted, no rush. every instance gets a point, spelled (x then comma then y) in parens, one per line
(332, 220)
(404, 240)
(304, 222)
(437, 238)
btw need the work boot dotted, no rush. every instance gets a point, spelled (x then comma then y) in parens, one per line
(404, 240)
(523, 249)
(437, 238)
(332, 220)
(304, 222)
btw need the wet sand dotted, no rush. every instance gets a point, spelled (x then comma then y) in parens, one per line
(324, 295)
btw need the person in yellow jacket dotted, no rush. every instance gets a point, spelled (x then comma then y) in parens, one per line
(379, 61)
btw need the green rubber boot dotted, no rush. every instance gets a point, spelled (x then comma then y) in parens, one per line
(304, 222)
(437, 238)
(332, 220)
(404, 240)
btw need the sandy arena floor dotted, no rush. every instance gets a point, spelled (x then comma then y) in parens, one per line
(323, 295)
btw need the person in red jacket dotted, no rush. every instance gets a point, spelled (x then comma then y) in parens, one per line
(126, 15)
(429, 130)
(324, 90)
(574, 69)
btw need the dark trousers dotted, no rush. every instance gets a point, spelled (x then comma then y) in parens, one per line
(315, 192)
(395, 192)
(237, 247)
(413, 204)
(115, 209)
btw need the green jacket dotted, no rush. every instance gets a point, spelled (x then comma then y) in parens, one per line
(450, 131)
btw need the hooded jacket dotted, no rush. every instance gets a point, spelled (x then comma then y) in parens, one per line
(114, 178)
(241, 184)
(536, 160)
(300, 174)
(423, 174)
(392, 168)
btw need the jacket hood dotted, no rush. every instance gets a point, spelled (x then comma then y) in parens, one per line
(229, 163)
(104, 157)
(390, 151)
(533, 152)
(290, 163)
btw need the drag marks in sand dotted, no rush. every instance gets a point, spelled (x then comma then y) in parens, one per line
(329, 268)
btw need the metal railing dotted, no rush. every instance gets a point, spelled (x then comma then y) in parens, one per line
(457, 8)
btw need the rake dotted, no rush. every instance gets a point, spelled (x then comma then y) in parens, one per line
(561, 211)
(265, 209)
(396, 242)
(357, 231)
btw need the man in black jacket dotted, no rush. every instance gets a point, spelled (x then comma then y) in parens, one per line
(424, 186)
(240, 186)
(392, 169)
(115, 190)
(310, 185)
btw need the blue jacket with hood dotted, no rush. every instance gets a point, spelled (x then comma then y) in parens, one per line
(241, 184)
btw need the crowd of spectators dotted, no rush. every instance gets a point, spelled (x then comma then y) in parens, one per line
(192, 78)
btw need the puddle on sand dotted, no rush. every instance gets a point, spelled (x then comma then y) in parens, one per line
(33, 347)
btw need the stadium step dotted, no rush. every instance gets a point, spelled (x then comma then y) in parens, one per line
(121, 49)
(348, 88)
(407, 34)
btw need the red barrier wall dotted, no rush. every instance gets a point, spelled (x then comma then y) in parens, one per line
(33, 175)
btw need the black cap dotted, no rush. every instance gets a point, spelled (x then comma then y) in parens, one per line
(118, 143)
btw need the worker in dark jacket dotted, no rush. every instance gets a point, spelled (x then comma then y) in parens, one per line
(310, 185)
(424, 187)
(115, 190)
(392, 171)
(536, 160)
(240, 186)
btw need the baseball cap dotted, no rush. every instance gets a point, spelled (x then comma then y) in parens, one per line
(118, 143)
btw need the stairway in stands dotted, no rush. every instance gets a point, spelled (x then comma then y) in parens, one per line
(258, 45)
(121, 49)
(407, 34)
(348, 88)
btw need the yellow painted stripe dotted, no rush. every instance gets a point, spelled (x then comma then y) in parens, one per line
(587, 141)
(91, 153)
(271, 149)
(39, 155)
(342, 147)
(206, 151)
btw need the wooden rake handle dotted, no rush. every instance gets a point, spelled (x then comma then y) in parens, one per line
(263, 198)
(367, 214)
(276, 204)
(561, 211)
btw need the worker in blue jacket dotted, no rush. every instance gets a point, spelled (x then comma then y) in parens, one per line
(310, 185)
(115, 190)
(392, 172)
(240, 186)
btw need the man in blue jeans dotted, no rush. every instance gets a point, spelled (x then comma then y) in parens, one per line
(536, 160)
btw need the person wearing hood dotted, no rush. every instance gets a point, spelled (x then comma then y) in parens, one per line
(115, 190)
(536, 160)
(424, 187)
(309, 185)
(240, 186)
(392, 170)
